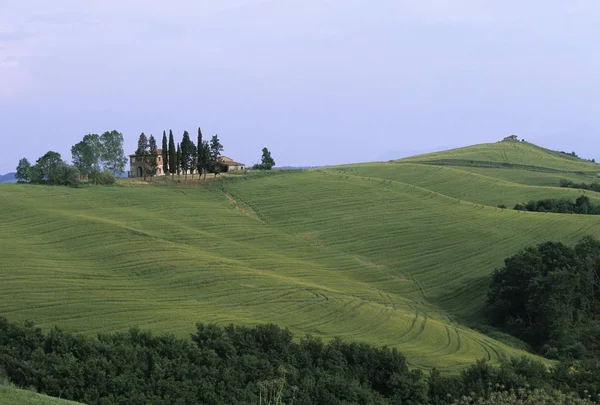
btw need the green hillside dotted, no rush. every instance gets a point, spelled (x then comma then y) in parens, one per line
(523, 154)
(392, 254)
(13, 396)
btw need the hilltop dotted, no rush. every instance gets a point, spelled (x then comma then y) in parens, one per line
(509, 154)
(396, 253)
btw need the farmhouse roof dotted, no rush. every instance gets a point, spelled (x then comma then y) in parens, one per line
(229, 161)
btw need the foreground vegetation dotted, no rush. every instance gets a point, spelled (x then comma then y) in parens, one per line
(251, 365)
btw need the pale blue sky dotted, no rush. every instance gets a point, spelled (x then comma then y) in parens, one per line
(317, 81)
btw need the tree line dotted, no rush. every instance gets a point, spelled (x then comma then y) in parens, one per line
(98, 157)
(582, 205)
(263, 365)
(186, 157)
(549, 297)
(582, 186)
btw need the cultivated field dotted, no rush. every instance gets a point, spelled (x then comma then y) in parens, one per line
(392, 254)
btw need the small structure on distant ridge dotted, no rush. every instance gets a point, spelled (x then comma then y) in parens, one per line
(511, 138)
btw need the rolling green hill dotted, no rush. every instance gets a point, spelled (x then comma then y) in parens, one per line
(392, 254)
(509, 153)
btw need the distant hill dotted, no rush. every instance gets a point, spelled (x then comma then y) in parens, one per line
(392, 253)
(8, 178)
(507, 154)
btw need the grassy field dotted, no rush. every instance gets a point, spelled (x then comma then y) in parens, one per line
(392, 254)
(10, 395)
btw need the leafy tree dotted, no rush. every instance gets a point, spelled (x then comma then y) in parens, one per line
(113, 157)
(86, 154)
(142, 154)
(64, 175)
(152, 157)
(266, 161)
(48, 163)
(23, 169)
(35, 174)
(165, 154)
(172, 155)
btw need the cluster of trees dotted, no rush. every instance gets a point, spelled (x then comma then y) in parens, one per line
(96, 157)
(266, 162)
(99, 157)
(582, 186)
(186, 156)
(254, 365)
(549, 296)
(582, 205)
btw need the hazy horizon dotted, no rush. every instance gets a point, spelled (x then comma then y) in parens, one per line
(317, 82)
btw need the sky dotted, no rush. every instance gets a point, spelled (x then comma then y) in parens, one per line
(318, 82)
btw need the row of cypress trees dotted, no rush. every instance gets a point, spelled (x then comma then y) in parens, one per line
(184, 157)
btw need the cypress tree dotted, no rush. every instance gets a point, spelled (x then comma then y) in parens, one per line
(186, 154)
(172, 155)
(153, 157)
(178, 160)
(165, 154)
(200, 153)
(142, 155)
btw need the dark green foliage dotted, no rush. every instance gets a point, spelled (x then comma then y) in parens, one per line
(549, 296)
(104, 178)
(225, 365)
(201, 156)
(178, 160)
(86, 154)
(23, 170)
(215, 155)
(142, 154)
(582, 205)
(218, 366)
(64, 175)
(48, 163)
(188, 154)
(35, 174)
(165, 154)
(152, 165)
(582, 186)
(266, 161)
(172, 154)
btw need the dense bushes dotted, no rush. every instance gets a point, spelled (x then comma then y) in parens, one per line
(582, 205)
(241, 365)
(104, 178)
(549, 296)
(582, 186)
(218, 366)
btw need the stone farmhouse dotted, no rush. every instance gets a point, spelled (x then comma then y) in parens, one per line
(136, 170)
